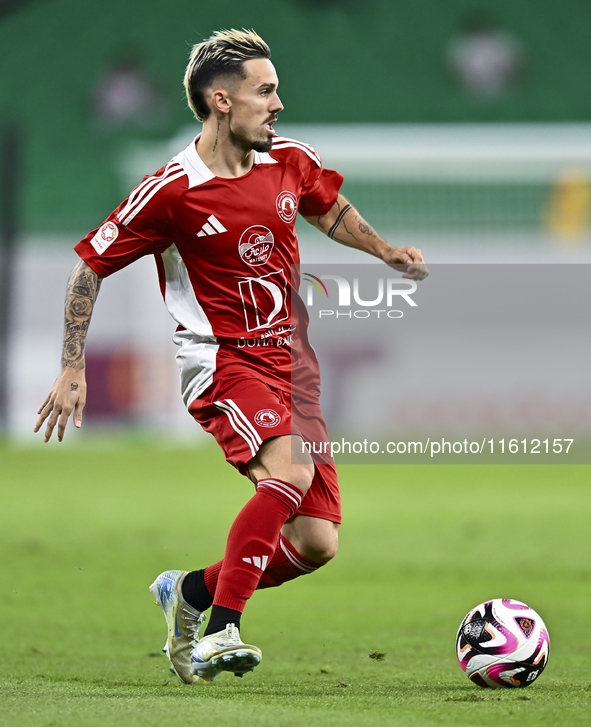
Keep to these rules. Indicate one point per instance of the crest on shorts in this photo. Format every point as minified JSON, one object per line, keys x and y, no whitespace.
{"x":267,"y":418}
{"x":256,"y":245}
{"x":287,"y":206}
{"x":105,"y":235}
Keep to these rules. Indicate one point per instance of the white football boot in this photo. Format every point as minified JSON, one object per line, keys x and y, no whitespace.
{"x":224,"y":651}
{"x":184,"y":623}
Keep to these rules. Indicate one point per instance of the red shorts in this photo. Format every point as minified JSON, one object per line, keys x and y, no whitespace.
{"x":242,"y":412}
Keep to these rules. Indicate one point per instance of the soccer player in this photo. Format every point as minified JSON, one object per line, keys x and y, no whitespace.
{"x":219,"y":219}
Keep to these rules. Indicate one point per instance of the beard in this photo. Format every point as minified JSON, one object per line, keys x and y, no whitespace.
{"x":262,"y":146}
{"x":257,"y":141}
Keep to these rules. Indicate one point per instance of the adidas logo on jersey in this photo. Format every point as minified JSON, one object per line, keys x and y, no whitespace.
{"x":257,"y":562}
{"x":212,"y":227}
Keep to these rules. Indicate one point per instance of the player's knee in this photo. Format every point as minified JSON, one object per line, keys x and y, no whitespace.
{"x":321,"y":550}
{"x":300,"y":476}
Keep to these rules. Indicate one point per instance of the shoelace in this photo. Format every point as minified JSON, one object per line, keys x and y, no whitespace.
{"x":232,"y":632}
{"x":194,"y":624}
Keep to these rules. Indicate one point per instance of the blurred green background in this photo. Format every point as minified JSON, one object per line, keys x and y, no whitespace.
{"x":338,"y":61}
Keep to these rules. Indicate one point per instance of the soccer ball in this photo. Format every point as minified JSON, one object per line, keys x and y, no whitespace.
{"x":503,"y":643}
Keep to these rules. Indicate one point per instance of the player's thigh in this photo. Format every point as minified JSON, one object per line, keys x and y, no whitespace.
{"x":242,"y":414}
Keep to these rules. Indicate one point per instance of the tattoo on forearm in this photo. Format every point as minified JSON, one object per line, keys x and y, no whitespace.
{"x":364,"y":228}
{"x":81,"y":294}
{"x":338,"y":221}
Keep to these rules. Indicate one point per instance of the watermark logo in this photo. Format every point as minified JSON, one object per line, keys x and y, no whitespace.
{"x":317,"y":283}
{"x":387,"y":292}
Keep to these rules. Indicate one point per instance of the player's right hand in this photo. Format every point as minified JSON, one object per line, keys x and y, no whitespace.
{"x":408,"y":260}
{"x":67,"y":395}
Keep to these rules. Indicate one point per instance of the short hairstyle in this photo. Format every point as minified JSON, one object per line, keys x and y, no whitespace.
{"x":223,"y":54}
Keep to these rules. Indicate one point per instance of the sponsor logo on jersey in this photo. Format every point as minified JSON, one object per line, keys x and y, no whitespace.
{"x":256,"y":245}
{"x":105,"y":235}
{"x":267,"y":418}
{"x":212,"y":227}
{"x":264,"y":300}
{"x":287,"y":206}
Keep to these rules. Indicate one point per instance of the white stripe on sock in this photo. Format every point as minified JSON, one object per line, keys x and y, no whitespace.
{"x":288,"y":487}
{"x":262,"y":484}
{"x":298,"y":563}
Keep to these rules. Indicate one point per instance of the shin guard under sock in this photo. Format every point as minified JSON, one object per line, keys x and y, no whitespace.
{"x":252,"y":541}
{"x":285,"y":565}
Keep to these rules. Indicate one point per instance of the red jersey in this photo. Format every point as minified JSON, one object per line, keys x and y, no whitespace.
{"x":224,"y":250}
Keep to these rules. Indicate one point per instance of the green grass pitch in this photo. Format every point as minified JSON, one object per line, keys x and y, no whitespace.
{"x":84,"y":530}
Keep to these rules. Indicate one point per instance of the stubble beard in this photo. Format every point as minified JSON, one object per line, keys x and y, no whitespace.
{"x":263,"y":146}
{"x":259,"y":145}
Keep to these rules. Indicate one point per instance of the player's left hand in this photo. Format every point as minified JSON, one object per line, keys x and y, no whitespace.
{"x":408,"y":260}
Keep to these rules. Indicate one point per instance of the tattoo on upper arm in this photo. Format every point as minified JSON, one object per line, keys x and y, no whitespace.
{"x":81,"y":294}
{"x":342,"y":213}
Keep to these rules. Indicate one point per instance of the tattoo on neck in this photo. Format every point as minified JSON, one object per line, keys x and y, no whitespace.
{"x":217,"y":134}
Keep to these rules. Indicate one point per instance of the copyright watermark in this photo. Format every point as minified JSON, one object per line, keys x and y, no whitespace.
{"x":437,"y":447}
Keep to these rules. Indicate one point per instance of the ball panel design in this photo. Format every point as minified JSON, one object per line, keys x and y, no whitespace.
{"x":502,"y":643}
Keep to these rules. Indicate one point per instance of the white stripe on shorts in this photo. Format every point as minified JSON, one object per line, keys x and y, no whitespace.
{"x":246,"y":422}
{"x":238,"y":426}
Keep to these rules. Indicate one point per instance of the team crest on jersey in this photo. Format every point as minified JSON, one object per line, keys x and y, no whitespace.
{"x":105,"y":235}
{"x":287,"y":206}
{"x":267,"y":418}
{"x":256,"y":245}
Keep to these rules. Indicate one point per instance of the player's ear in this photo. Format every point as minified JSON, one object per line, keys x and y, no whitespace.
{"x":219,"y":101}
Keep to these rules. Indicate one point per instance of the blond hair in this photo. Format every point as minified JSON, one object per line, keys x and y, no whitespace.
{"x":223,"y":54}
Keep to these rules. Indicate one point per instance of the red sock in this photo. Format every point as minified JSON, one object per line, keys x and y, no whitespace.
{"x":252,"y":541}
{"x":211,"y":575}
{"x":285,"y":565}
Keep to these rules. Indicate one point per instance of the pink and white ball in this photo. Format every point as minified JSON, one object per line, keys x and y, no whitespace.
{"x":503,"y":643}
